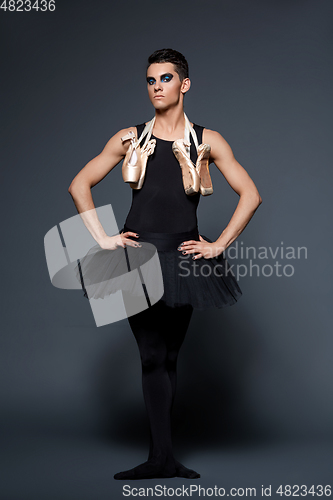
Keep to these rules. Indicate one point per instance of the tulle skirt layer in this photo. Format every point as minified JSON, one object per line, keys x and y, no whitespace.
{"x":203,"y":283}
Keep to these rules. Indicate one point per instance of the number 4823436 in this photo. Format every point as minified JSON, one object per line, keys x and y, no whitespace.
{"x":27,"y":5}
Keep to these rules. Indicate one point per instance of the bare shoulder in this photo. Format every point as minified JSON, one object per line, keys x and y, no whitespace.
{"x":212,"y":137}
{"x":219,"y":146}
{"x":124,"y":131}
{"x":115,"y":144}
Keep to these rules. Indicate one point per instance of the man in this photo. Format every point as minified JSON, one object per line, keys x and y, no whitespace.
{"x":160,"y":330}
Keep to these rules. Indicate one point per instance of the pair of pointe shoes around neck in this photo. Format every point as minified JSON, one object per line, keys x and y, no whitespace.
{"x":195,"y":177}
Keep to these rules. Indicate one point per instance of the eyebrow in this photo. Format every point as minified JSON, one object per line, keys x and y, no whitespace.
{"x":161,"y":76}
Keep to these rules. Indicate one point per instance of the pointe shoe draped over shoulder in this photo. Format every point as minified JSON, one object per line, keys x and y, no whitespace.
{"x":135,"y":161}
{"x":146,"y":151}
{"x":195,"y":177}
{"x":191,"y":179}
{"x":202,"y":165}
{"x":132,"y":163}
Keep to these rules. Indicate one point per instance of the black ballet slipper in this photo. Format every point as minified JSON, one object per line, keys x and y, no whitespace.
{"x":147,"y":470}
{"x":182,"y":471}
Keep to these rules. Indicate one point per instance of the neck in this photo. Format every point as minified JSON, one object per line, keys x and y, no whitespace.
{"x":170,"y":120}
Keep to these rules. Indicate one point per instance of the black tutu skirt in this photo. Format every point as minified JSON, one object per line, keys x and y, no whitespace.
{"x":202,"y":283}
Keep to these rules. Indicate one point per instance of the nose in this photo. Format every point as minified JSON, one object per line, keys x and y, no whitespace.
{"x":157,"y":86}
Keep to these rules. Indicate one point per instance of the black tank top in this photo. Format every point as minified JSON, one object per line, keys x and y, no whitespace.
{"x":161,"y":205}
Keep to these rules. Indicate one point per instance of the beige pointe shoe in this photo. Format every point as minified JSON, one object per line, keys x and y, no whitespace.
{"x":202,"y":165}
{"x":146,"y":151}
{"x":191,"y":179}
{"x":132,"y":164}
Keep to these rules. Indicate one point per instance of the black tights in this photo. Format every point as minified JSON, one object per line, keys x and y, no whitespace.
{"x":160,"y":331}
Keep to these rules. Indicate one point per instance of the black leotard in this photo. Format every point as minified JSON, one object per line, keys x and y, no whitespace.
{"x":161,"y":205}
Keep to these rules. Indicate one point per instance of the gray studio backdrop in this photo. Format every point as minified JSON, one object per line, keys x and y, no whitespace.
{"x":261,"y":75}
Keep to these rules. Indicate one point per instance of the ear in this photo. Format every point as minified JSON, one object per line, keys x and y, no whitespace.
{"x":186,"y":84}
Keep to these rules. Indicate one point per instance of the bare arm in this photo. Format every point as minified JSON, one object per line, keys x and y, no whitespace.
{"x":241,"y":183}
{"x":90,"y":175}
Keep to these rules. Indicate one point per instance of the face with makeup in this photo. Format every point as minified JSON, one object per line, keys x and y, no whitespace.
{"x":164,"y":86}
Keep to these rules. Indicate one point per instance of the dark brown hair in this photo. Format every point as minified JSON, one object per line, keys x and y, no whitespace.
{"x":172,"y":56}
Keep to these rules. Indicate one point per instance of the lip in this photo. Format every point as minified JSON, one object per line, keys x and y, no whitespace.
{"x":158,"y":96}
